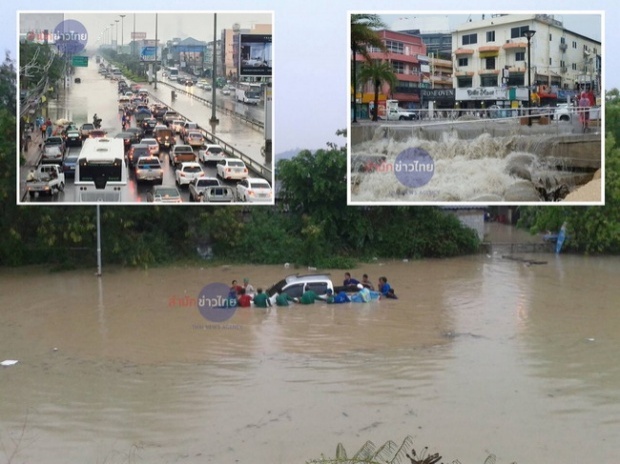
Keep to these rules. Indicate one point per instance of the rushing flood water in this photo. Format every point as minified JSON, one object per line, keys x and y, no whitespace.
{"x":479,"y":355}
{"x":481,"y":169}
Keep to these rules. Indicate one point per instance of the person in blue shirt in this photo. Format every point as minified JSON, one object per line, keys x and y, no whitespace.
{"x":348,"y":280}
{"x":385,"y":289}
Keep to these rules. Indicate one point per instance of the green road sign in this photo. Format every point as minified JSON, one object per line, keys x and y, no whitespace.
{"x":79,"y":61}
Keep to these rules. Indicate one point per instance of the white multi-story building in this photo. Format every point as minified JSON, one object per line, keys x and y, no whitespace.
{"x":490,"y":59}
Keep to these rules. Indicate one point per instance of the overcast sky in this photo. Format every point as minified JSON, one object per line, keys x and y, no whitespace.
{"x":198,"y":25}
{"x":311,"y":47}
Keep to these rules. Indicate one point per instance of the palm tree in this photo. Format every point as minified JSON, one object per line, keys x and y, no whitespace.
{"x":378,"y":73}
{"x":363,"y":34}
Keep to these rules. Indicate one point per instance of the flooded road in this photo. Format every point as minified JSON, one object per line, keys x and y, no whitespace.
{"x":479,"y":355}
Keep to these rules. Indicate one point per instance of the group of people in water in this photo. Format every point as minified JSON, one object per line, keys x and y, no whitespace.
{"x":353,"y":290}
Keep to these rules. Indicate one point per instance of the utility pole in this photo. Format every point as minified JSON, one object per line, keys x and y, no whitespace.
{"x":122,"y":31}
{"x":156,"y":50}
{"x":214,"y":121}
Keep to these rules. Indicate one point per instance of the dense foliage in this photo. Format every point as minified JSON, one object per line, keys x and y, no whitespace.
{"x":311,"y":224}
{"x":591,"y":229}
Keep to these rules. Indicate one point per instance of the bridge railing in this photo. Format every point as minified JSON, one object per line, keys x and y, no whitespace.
{"x":253,"y":123}
{"x":257,"y":167}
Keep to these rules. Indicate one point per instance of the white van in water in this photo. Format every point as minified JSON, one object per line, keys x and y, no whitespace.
{"x":295,"y":285}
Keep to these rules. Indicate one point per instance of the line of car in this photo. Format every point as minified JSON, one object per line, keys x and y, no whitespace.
{"x":144,"y":145}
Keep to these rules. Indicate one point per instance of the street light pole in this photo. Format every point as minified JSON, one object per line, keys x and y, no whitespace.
{"x":122,"y":31}
{"x":116,"y":44}
{"x":529,"y":34}
{"x":214,"y":121}
{"x":156,"y":50}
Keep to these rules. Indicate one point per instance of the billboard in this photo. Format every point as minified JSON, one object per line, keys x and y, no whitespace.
{"x":255,"y":55}
{"x":192,"y":55}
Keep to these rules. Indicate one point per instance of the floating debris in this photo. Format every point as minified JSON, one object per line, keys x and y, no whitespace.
{"x":9,"y":362}
{"x":523,"y":260}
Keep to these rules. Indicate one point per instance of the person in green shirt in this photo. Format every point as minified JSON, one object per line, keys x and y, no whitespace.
{"x":282,"y":299}
{"x":261,"y":300}
{"x":308,"y":297}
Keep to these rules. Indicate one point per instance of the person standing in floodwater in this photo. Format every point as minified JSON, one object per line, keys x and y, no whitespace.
{"x":386,"y":289}
{"x":261,"y":299}
{"x":367,"y":283}
{"x":348,"y":280}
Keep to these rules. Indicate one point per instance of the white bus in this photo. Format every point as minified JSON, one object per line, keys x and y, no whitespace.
{"x":249,"y":93}
{"x":101,"y":171}
{"x":173,"y":74}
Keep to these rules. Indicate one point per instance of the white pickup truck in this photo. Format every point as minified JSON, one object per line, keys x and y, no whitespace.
{"x":396,"y":113}
{"x":47,"y":179}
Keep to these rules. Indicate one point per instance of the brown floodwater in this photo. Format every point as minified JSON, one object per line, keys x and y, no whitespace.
{"x":479,"y":355}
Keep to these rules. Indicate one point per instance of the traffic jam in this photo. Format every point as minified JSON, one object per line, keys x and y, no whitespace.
{"x":164,"y":158}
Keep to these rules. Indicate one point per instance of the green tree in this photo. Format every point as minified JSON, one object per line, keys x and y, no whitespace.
{"x":378,"y":73}
{"x":591,"y":229}
{"x":39,"y":68}
{"x":8,"y":85}
{"x":363,"y":35}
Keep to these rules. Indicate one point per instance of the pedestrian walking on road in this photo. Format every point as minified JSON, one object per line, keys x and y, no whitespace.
{"x":48,"y":128}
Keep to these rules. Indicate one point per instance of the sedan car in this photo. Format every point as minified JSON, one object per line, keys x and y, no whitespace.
{"x":137,"y":151}
{"x":219,"y":194}
{"x":153,"y":145}
{"x":149,"y":169}
{"x":225,"y":91}
{"x":254,"y":190}
{"x":161,"y":194}
{"x":187,"y":173}
{"x":85,"y":129}
{"x":73,"y":138}
{"x":232,"y":169}
{"x":211,"y":153}
{"x":148,"y":125}
{"x":195,"y":139}
{"x":176,"y":125}
{"x":51,"y":154}
{"x":137,"y":134}
{"x":57,"y":141}
{"x":68,"y":164}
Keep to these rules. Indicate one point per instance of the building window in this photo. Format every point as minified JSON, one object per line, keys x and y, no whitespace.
{"x":490,"y":36}
{"x":574,"y":66}
{"x":550,"y":61}
{"x":520,"y":56}
{"x":470,"y":39}
{"x":398,"y":67}
{"x":516,"y":79}
{"x":562,"y":40}
{"x":550,"y":37}
{"x":518,"y":31}
{"x":489,"y":63}
{"x":463,"y":62}
{"x":574,"y":44}
{"x":395,"y":47}
{"x":488,"y":81}
{"x":410,"y":88}
{"x":464,"y":82}
{"x":562,"y":64}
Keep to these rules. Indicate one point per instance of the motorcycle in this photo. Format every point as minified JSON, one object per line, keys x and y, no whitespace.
{"x":97,"y":123}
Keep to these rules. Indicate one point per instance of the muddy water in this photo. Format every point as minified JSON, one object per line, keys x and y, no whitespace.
{"x":479,"y":355}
